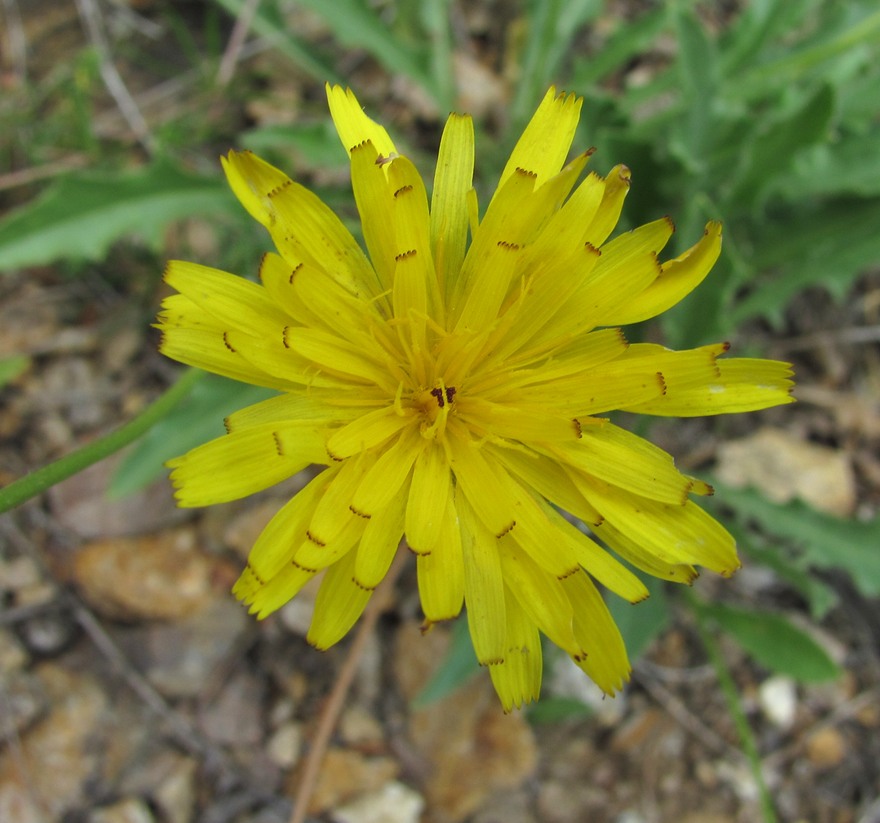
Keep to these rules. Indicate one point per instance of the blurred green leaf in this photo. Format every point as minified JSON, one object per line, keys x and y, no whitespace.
{"x":626,"y":42}
{"x":194,"y":421}
{"x":356,"y":24}
{"x":83,"y":214}
{"x":824,"y":541}
{"x":317,"y":143}
{"x":457,"y":667}
{"x":775,"y":643}
{"x":774,"y":149}
{"x":791,"y":569}
{"x":848,"y":166}
{"x":641,"y":623}
{"x":827,"y":246}
{"x":12,"y":367}
{"x":557,"y":710}
{"x":268,"y":23}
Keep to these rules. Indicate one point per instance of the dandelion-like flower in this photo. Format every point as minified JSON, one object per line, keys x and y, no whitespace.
{"x":454,"y":393}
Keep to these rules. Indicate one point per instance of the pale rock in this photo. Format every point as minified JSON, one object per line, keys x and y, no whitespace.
{"x":345,"y":775}
{"x":81,"y":504}
{"x":469,"y":748}
{"x":48,"y":773}
{"x":129,"y":810}
{"x":357,"y":727}
{"x":13,"y":657}
{"x":392,"y":803}
{"x":23,"y":699}
{"x":161,"y":577}
{"x":235,"y":716}
{"x":179,"y":658}
{"x":784,"y":467}
{"x":296,"y":614}
{"x":285,"y":744}
{"x":19,"y":573}
{"x":777,"y":697}
{"x":826,"y":748}
{"x":175,"y":793}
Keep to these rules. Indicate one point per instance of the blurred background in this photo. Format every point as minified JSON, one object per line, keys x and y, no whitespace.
{"x":133,"y":689}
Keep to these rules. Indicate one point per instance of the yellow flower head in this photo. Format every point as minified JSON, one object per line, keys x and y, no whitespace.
{"x":453,"y":391}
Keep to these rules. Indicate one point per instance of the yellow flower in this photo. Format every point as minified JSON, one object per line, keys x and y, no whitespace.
{"x":453,"y":391}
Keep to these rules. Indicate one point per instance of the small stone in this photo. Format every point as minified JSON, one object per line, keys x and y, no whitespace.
{"x":296,"y":615}
{"x":179,"y":657}
{"x":12,"y":656}
{"x":175,"y":794}
{"x":826,"y":748}
{"x":285,"y":745}
{"x":357,"y":727}
{"x":345,"y":774}
{"x":778,"y":699}
{"x":24,"y":701}
{"x":48,"y":774}
{"x":392,"y":803}
{"x":47,"y":634}
{"x":162,"y":577}
{"x":235,"y":717}
{"x":130,"y":810}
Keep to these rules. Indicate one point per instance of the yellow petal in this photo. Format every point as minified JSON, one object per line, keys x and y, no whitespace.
{"x":339,"y":604}
{"x":231,"y":300}
{"x":626,"y":460}
{"x":265,"y":598}
{"x":366,"y":431}
{"x":427,"y":502}
{"x":236,"y":465}
{"x":545,"y":143}
{"x":441,"y":572}
{"x":379,"y":543}
{"x":517,"y":679}
{"x":387,"y":478}
{"x":483,"y":587}
{"x":616,"y":188}
{"x":540,"y":594}
{"x":677,"y":278}
{"x":453,"y":179}
{"x":603,"y":655}
{"x":353,"y":126}
{"x":740,"y":385}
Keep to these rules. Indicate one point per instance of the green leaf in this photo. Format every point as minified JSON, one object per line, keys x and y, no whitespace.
{"x":629,"y":40}
{"x":773,"y":151}
{"x":849,"y":166}
{"x":641,"y":623}
{"x":83,"y":214}
{"x":316,"y":143}
{"x":269,"y":24}
{"x":824,"y":541}
{"x":194,"y":421}
{"x":775,"y":643}
{"x":793,"y":570}
{"x":557,"y":710}
{"x":355,"y":24}
{"x":457,"y":667}
{"x":12,"y":367}
{"x":829,"y":246}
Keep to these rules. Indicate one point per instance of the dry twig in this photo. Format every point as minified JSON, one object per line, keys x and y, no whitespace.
{"x":335,"y":702}
{"x":236,"y":41}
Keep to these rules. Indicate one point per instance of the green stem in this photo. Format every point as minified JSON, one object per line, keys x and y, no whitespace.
{"x":38,"y":481}
{"x":746,"y":736}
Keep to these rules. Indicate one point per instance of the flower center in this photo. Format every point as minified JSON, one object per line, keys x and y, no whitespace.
{"x":435,"y":405}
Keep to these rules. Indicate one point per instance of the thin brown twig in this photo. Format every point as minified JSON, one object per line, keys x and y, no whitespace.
{"x":236,"y":42}
{"x":15,"y":39}
{"x":90,"y":16}
{"x":677,"y":709}
{"x":23,"y":177}
{"x":335,"y":702}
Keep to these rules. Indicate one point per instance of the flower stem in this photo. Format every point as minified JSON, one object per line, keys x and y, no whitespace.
{"x":38,"y":481}
{"x":746,"y":736}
